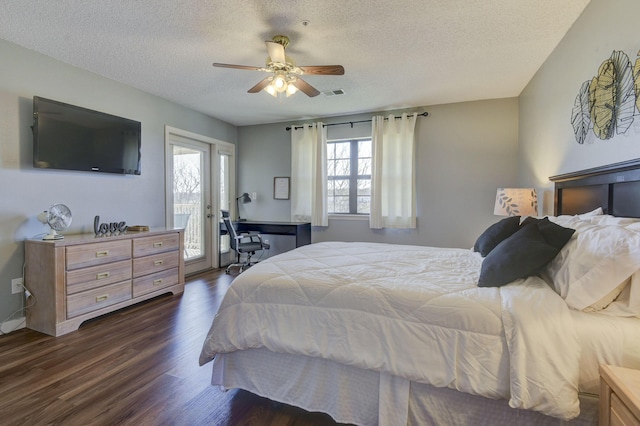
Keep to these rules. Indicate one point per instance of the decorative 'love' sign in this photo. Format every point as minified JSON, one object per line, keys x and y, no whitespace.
{"x":108,"y":228}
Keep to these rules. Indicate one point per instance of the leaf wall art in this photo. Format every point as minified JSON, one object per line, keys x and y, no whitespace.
{"x":625,"y":94}
{"x":602,"y":98}
{"x":636,"y":81}
{"x":607,"y":103}
{"x":581,"y":117}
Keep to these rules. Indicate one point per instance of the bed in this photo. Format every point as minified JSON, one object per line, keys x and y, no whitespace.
{"x":391,"y":334}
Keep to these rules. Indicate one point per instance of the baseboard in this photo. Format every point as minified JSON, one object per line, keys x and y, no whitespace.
{"x":13,"y":325}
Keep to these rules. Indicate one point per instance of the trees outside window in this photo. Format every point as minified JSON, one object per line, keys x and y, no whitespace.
{"x":349,"y":176}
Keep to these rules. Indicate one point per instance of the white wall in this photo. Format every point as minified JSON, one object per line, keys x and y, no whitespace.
{"x":547,"y":144}
{"x":25,"y":191}
{"x":464,"y":152}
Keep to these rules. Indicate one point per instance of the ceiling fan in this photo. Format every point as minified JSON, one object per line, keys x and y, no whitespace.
{"x":285,"y":74}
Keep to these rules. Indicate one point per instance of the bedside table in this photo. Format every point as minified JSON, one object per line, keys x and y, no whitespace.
{"x":619,"y":396}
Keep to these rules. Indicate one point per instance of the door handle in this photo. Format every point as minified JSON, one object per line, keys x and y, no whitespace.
{"x":209,"y":215}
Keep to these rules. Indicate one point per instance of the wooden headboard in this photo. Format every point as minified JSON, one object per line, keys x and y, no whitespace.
{"x":615,"y":188}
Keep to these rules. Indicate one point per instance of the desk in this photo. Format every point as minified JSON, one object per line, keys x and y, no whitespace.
{"x":300,"y":230}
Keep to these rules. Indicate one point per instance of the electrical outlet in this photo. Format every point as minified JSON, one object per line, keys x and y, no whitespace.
{"x":254,"y":196}
{"x":17,"y":285}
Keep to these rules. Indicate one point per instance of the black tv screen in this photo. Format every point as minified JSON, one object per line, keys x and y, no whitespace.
{"x":69,"y":137}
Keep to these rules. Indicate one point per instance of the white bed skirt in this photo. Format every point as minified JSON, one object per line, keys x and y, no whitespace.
{"x":365,"y":397}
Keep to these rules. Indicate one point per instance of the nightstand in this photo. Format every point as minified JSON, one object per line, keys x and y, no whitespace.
{"x":619,"y":396}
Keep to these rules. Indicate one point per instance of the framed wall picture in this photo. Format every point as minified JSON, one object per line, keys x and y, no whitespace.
{"x":281,"y":187}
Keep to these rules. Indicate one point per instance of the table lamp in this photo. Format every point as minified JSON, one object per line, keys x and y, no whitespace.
{"x":516,"y":202}
{"x":245,"y":199}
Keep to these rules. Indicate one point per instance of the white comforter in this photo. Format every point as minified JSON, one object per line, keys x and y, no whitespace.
{"x":414,"y":312}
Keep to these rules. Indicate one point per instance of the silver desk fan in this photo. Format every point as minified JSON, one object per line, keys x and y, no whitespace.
{"x":58,"y":217}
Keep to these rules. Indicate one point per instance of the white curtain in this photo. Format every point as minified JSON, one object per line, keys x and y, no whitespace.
{"x":393,"y":178}
{"x":309,"y":174}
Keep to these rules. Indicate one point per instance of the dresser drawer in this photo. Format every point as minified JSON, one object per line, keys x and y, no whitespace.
{"x":153,"y":282}
{"x":620,"y":414}
{"x":145,"y":246}
{"x":97,"y":276}
{"x":155,"y":263}
{"x":81,"y":256}
{"x":91,"y":300}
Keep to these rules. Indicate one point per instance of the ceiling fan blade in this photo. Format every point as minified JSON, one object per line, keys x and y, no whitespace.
{"x":323,"y":69}
{"x":276,"y":52}
{"x":240,"y":67}
{"x":261,"y":85}
{"x":306,"y":88}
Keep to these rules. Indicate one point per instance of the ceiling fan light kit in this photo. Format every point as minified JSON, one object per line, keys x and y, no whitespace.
{"x":285,"y":74}
{"x":281,"y":83}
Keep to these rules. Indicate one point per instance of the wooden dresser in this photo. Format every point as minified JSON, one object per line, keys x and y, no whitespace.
{"x":619,"y":396}
{"x":85,"y":276}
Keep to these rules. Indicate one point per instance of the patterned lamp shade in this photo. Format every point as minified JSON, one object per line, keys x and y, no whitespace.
{"x":516,"y":202}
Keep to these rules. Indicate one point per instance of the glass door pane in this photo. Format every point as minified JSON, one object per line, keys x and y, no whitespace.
{"x":199,"y":183}
{"x":225,"y":197}
{"x":188,"y":198}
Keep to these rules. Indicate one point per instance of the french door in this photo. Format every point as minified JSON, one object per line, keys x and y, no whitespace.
{"x":199,"y":178}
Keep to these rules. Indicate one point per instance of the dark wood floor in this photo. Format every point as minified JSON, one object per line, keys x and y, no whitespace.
{"x":136,"y":366}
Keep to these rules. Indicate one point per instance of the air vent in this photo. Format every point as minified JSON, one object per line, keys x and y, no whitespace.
{"x":333,"y":92}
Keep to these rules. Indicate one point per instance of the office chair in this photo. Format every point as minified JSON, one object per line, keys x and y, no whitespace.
{"x":243,"y":243}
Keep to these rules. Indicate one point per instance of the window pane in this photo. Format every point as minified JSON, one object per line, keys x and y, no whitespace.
{"x":331,"y":203}
{"x":331,"y":168}
{"x":341,"y":204}
{"x":364,"y":187}
{"x":343,"y":149}
{"x":343,"y":168}
{"x":364,"y":204}
{"x":364,"y":149}
{"x":364,"y":166}
{"x":331,"y":151}
{"x":341,"y":187}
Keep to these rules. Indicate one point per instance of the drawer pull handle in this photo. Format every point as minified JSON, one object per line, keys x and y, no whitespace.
{"x":157,"y":245}
{"x":158,"y":262}
{"x":102,"y":275}
{"x":102,"y":298}
{"x":102,"y":253}
{"x":157,"y":282}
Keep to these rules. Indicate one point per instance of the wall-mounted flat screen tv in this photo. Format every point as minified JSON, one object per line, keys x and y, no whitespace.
{"x":69,"y":137}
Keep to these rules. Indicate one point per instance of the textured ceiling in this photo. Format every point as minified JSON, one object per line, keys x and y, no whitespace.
{"x":395,"y":54}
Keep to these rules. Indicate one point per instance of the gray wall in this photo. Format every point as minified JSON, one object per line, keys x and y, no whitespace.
{"x":25,"y":191}
{"x":547,"y":144}
{"x":464,"y":152}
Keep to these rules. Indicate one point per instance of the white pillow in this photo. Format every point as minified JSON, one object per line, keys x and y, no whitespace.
{"x":595,"y":212}
{"x":566,"y":219}
{"x":596,"y":261}
{"x":607,"y":219}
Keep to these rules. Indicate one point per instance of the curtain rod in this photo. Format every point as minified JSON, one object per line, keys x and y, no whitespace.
{"x":424,"y":114}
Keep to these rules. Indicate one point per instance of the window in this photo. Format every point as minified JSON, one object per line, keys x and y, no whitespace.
{"x":349,"y":176}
